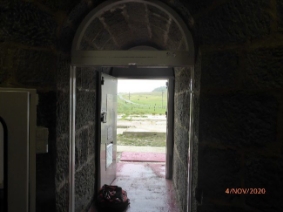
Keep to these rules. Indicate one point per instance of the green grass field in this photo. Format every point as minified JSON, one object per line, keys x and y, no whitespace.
{"x":142,"y":103}
{"x":158,"y":140}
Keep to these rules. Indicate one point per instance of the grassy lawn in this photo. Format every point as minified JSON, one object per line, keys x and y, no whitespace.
{"x":158,"y":140}
{"x":146,"y":103}
{"x":140,"y":105}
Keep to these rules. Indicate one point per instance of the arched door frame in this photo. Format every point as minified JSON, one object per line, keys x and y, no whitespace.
{"x":125,"y":58}
{"x":162,"y":58}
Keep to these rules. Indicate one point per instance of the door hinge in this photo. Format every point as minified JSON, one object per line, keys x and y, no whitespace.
{"x":103,"y":117}
{"x":166,"y":84}
{"x":102,"y":80}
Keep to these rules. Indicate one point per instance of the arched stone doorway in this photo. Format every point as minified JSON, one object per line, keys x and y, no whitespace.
{"x":110,"y":30}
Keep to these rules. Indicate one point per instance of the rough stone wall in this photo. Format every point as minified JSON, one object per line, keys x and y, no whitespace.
{"x":85,"y":137}
{"x":62,"y":128}
{"x":182,"y":160}
{"x":28,"y":61}
{"x":195,"y":133}
{"x":241,"y":103}
{"x":35,"y":42}
{"x":181,"y":134}
{"x":85,"y":114}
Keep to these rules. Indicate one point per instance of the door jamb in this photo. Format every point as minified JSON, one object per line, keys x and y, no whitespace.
{"x":170,"y":129}
{"x":72,"y":138}
{"x":98,"y":133}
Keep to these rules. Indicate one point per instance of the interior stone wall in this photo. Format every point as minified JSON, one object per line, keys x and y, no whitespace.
{"x":240,"y":136}
{"x":28,"y":61}
{"x":195,"y":135}
{"x":35,"y":42}
{"x":241,"y":103}
{"x":85,"y":114}
{"x":181,"y":134}
{"x":85,"y":137}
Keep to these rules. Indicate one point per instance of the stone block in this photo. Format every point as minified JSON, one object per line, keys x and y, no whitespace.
{"x":197,"y":72}
{"x":195,"y":6}
{"x":91,"y":141}
{"x":63,"y":73}
{"x":157,"y":12}
{"x":234,"y":22}
{"x":65,"y":38}
{"x":24,"y":22}
{"x":172,"y":45}
{"x":264,"y":69}
{"x":54,"y":5}
{"x":85,"y":108}
{"x":182,"y":79}
{"x":62,"y":198}
{"x":62,"y":113}
{"x":78,"y":13}
{"x":35,"y":68}
{"x":174,"y":33}
{"x":86,"y":78}
{"x":279,"y":4}
{"x":108,"y":44}
{"x":84,"y":186}
{"x":195,"y":117}
{"x":62,"y":160}
{"x":82,"y":141}
{"x":182,"y":109}
{"x":267,"y":173}
{"x":75,"y":17}
{"x":158,"y":21}
{"x":218,"y":170}
{"x":136,"y":11}
{"x":93,"y":29}
{"x":98,"y":38}
{"x":137,"y":17}
{"x":181,"y":142}
{"x":86,"y":45}
{"x":220,"y":70}
{"x":240,"y":120}
{"x":180,"y":181}
{"x":157,"y":36}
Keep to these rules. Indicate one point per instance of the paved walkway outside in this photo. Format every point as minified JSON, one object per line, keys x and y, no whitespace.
{"x":141,"y":149}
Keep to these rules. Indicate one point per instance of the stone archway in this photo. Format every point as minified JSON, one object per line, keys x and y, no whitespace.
{"x":112,"y":28}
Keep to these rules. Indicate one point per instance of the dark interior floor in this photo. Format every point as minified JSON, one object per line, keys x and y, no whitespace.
{"x":146,"y":186}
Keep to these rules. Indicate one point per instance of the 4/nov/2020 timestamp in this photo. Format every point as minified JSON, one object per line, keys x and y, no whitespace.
{"x":245,"y":191}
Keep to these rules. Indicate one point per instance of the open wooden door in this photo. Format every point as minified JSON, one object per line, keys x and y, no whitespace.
{"x":108,"y":143}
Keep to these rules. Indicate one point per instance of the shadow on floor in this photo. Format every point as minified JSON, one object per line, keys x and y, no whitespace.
{"x":147,"y":188}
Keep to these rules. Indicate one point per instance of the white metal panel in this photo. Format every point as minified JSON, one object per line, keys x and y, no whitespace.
{"x":1,"y":156}
{"x":18,"y":109}
{"x":14,"y":109}
{"x":108,"y":130}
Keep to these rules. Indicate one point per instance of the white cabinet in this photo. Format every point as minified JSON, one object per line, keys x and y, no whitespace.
{"x":18,"y":111}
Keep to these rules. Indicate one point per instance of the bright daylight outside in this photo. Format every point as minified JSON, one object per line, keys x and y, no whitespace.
{"x":141,"y":123}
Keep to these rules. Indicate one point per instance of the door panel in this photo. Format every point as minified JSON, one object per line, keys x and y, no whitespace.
{"x":108,"y":147}
{"x":14,"y":109}
{"x":169,"y":130}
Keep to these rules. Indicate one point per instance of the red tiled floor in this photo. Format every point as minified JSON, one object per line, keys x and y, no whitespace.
{"x":143,"y":157}
{"x":147,"y":188}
